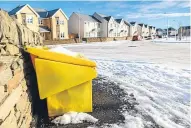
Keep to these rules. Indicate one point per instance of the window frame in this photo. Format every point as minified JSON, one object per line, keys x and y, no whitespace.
{"x":29,"y":19}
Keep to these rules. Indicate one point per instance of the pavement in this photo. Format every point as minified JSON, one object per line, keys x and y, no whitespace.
{"x":107,"y":106}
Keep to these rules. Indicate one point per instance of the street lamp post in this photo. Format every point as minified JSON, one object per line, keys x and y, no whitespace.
{"x":175,"y":29}
{"x":167,"y":24}
{"x":79,"y":27}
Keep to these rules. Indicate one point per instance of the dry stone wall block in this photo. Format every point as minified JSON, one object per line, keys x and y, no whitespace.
{"x":5,"y":76}
{"x":10,"y":102}
{"x":15,"y":81}
{"x":12,"y":49}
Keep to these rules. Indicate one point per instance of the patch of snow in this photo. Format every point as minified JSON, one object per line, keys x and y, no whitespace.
{"x":163,"y":94}
{"x":173,"y":40}
{"x":60,"y":49}
{"x":74,"y":118}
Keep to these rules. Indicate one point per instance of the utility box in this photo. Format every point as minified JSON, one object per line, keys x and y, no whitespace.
{"x":64,"y":81}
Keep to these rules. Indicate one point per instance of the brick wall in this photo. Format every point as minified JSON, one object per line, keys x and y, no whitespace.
{"x":89,"y":40}
{"x":15,"y":70}
{"x":64,"y":41}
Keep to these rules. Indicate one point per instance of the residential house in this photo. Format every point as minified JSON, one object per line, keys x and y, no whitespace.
{"x":146,"y":30}
{"x":27,"y":16}
{"x":165,"y":32}
{"x":84,"y":25}
{"x":53,"y":24}
{"x":184,"y":31}
{"x":109,"y":26}
{"x":143,"y":30}
{"x":152,"y":31}
{"x":159,"y":32}
{"x":122,"y":28}
{"x":135,"y":29}
{"x":128,"y":28}
{"x":172,"y":31}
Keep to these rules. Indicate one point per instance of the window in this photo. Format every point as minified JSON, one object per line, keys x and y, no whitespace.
{"x":98,"y":25}
{"x":40,"y":21}
{"x":99,"y":34}
{"x":111,"y":25}
{"x":29,"y":19}
{"x":62,"y":35}
{"x":87,"y":34}
{"x":57,"y":20}
{"x":61,"y":22}
{"x":118,"y":34}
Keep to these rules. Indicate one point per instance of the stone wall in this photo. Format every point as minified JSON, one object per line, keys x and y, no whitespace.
{"x":15,"y":70}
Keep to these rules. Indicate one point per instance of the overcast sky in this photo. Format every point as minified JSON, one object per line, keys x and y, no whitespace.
{"x":153,"y":13}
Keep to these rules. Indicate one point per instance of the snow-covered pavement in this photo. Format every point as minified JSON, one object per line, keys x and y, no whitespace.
{"x":173,"y":39}
{"x":157,"y":75}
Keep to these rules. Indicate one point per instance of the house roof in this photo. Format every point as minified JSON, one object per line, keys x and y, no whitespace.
{"x":141,"y":25}
{"x":44,"y":29}
{"x":15,"y":10}
{"x":127,"y":23}
{"x":19,"y":8}
{"x":87,"y":17}
{"x":159,"y":29}
{"x":107,"y":18}
{"x":118,"y":20}
{"x":46,"y":14}
{"x":171,"y":28}
{"x":133,"y":23}
{"x":185,"y":27}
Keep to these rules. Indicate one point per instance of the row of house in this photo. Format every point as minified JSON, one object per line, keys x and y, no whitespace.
{"x":55,"y":25}
{"x":182,"y":31}
{"x":143,"y":30}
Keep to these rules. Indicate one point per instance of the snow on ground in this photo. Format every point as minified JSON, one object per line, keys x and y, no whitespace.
{"x":59,"y":49}
{"x":74,"y":118}
{"x":173,"y":40}
{"x":162,"y":93}
{"x":158,"y":75}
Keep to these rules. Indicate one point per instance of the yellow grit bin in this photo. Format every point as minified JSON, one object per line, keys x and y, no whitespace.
{"x":65,"y":81}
